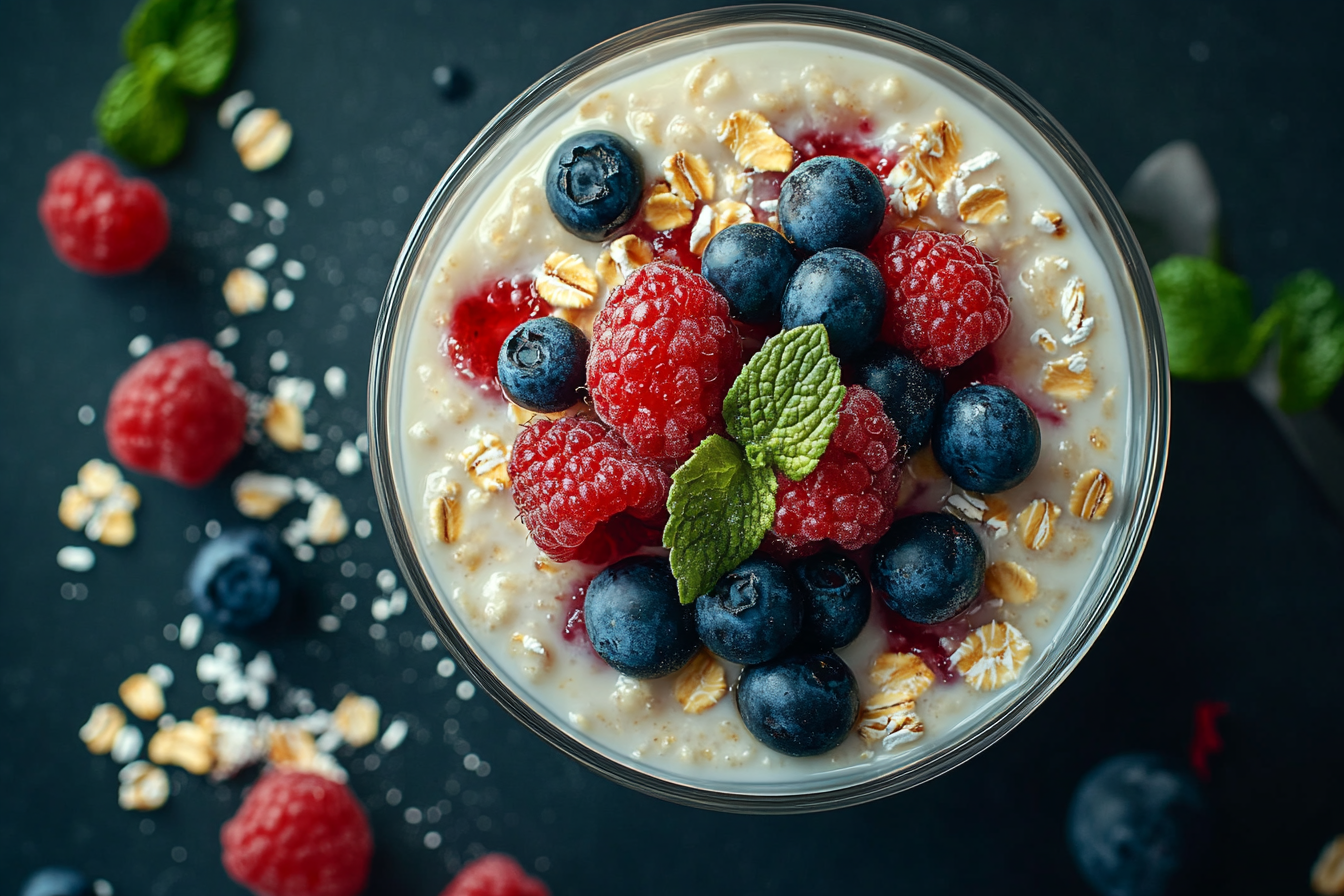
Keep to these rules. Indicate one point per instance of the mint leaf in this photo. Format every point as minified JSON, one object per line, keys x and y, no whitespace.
{"x":719,"y":509}
{"x":1208,"y":316}
{"x":139,"y":114}
{"x":1311,"y":350}
{"x":786,"y":402}
{"x":203,"y":33}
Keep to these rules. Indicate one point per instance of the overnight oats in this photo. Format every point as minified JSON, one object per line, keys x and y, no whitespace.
{"x":764,"y":406}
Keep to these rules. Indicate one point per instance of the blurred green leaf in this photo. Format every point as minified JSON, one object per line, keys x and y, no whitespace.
{"x":1311,"y":350}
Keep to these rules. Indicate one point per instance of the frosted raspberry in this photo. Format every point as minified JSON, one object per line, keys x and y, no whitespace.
{"x":583,"y":494}
{"x":495,"y":874}
{"x":100,"y":222}
{"x":663,"y":355}
{"x":298,"y":834}
{"x":945,"y":299}
{"x":850,"y":498}
{"x":177,"y":413}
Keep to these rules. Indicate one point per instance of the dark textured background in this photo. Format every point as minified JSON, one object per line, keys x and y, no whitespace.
{"x":1237,"y":597}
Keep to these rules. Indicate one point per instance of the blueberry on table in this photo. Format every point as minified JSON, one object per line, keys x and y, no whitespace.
{"x":56,"y":881}
{"x":842,"y":290}
{"x":542,"y":364}
{"x":1138,"y":826}
{"x":594,"y":184}
{"x":752,"y":614}
{"x":930,"y":566}
{"x":831,"y":201}
{"x":987,"y":440}
{"x":801,"y":704}
{"x":836,"y":600}
{"x":635,"y":620}
{"x":236,"y":579}
{"x":912,"y":395}
{"x":750,"y":264}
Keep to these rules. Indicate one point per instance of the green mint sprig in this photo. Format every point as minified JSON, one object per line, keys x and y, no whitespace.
{"x":781,"y":409}
{"x":1213,"y":334}
{"x":174,"y":47}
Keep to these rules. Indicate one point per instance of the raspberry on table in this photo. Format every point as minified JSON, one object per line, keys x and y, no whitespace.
{"x":177,"y":413}
{"x":495,"y":874}
{"x":945,"y":298}
{"x":578,"y":486}
{"x":298,"y":834}
{"x":663,"y":355}
{"x":850,"y":498}
{"x":99,"y":222}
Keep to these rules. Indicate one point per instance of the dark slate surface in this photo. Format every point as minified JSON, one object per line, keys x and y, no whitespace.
{"x":1237,"y":599}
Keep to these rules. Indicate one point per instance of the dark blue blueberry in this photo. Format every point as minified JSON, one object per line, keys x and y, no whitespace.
{"x":836,"y":600}
{"x":841,"y":289}
{"x":912,"y":395}
{"x":594,"y":184}
{"x":801,"y":704}
{"x":1138,"y":826}
{"x":987,"y":439}
{"x":542,"y":364}
{"x":56,"y":882}
{"x":830,"y":201}
{"x":930,"y":566}
{"x":636,"y":622}
{"x":236,"y":579}
{"x":753,"y":613}
{"x":751,"y":265}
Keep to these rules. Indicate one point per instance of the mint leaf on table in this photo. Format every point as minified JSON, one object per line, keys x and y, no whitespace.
{"x":139,"y":113}
{"x":785,"y":404}
{"x":204,"y":34}
{"x":719,"y":509}
{"x":1311,"y":349}
{"x":1211,"y":329}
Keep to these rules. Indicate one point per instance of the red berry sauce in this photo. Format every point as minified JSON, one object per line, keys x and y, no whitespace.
{"x":985,"y":367}
{"x":810,"y":144}
{"x":479,"y":324}
{"x":671,"y":245}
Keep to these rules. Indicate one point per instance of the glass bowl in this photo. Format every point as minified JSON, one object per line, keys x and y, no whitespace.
{"x":1145,"y":417}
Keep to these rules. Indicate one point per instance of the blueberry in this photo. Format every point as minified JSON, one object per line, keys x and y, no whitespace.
{"x":753,"y":613}
{"x":236,"y":579}
{"x":930,"y":566}
{"x":594,"y":184}
{"x":542,"y":364}
{"x":751,"y":265}
{"x":831,"y":201}
{"x":988,"y":440}
{"x":636,"y":622}
{"x":841,"y":289}
{"x":801,"y":704}
{"x":56,"y":882}
{"x":912,"y":395}
{"x":1138,"y":826}
{"x":836,"y":600}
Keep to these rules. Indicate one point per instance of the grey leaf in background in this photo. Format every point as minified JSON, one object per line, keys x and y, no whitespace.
{"x":1172,"y":203}
{"x":1173,"y":206}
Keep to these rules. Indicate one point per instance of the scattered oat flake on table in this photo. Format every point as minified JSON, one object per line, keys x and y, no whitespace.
{"x":190,"y":632}
{"x":261,"y":257}
{"x":991,"y":656}
{"x":99,"y":733}
{"x":260,"y":496}
{"x":233,"y":106}
{"x":244,"y":291}
{"x":284,"y":425}
{"x":142,"y":696}
{"x":394,"y":735}
{"x":126,"y":745}
{"x":262,"y":138}
{"x":283,"y":300}
{"x":335,"y":382}
{"x":327,"y":522}
{"x":143,"y":787}
{"x":1327,"y":875}
{"x":348,"y":460}
{"x":240,"y":212}
{"x":75,"y":558}
{"x":356,"y":718}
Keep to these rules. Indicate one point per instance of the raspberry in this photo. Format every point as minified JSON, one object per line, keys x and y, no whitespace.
{"x":99,"y":222}
{"x":578,"y":486}
{"x":177,"y":413}
{"x":298,"y":834}
{"x":663,"y":355}
{"x":945,"y":299}
{"x":850,"y":498}
{"x":479,"y":324}
{"x":495,"y":874}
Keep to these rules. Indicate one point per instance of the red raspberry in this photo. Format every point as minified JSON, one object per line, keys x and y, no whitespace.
{"x":177,"y":414}
{"x":495,"y":874}
{"x":576,"y":484}
{"x":945,"y":299}
{"x":663,"y":355}
{"x":99,"y":222}
{"x":850,"y":498}
{"x":298,"y":834}
{"x":480,"y":323}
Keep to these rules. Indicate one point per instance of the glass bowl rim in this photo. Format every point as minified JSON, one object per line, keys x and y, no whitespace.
{"x":1147,"y":485}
